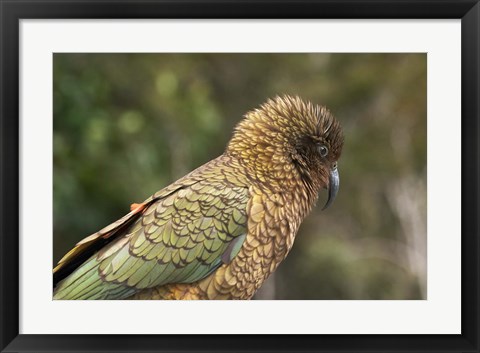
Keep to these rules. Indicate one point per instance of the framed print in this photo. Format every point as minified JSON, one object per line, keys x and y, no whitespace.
{"x":317,"y":161}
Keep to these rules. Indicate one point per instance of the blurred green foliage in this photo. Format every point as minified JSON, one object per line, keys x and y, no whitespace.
{"x":126,"y":125}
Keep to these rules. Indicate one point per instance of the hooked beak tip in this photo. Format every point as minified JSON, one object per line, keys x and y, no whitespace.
{"x":333,"y":186}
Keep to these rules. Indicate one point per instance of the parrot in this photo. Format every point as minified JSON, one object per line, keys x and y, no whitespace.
{"x":221,"y":230}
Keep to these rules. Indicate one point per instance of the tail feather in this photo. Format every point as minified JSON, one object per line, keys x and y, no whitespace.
{"x":86,"y":283}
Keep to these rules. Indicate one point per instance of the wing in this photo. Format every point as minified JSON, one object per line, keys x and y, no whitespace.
{"x":180,"y":237}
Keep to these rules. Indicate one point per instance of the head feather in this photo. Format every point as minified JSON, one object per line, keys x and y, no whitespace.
{"x":267,"y":140}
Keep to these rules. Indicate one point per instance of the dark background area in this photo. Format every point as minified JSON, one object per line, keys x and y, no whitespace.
{"x":127,"y":125}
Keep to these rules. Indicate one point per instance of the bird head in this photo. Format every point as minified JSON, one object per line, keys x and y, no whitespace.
{"x":288,"y":142}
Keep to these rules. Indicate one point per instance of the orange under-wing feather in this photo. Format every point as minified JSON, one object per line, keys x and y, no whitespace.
{"x":134,"y":206}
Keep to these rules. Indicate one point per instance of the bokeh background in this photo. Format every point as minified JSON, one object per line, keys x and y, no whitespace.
{"x":126,"y":125}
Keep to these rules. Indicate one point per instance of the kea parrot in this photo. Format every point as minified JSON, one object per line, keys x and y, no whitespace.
{"x":221,"y":230}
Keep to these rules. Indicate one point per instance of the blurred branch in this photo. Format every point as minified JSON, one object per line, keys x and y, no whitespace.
{"x":406,"y":196}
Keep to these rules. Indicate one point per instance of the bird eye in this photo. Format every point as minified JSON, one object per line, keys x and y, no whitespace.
{"x":323,"y":150}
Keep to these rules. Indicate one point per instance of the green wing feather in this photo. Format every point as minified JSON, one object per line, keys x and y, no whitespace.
{"x":180,"y":238}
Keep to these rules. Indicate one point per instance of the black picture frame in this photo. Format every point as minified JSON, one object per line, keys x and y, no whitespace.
{"x":12,"y":11}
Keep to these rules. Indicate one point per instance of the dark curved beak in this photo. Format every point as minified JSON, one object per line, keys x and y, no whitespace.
{"x":333,"y":186}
